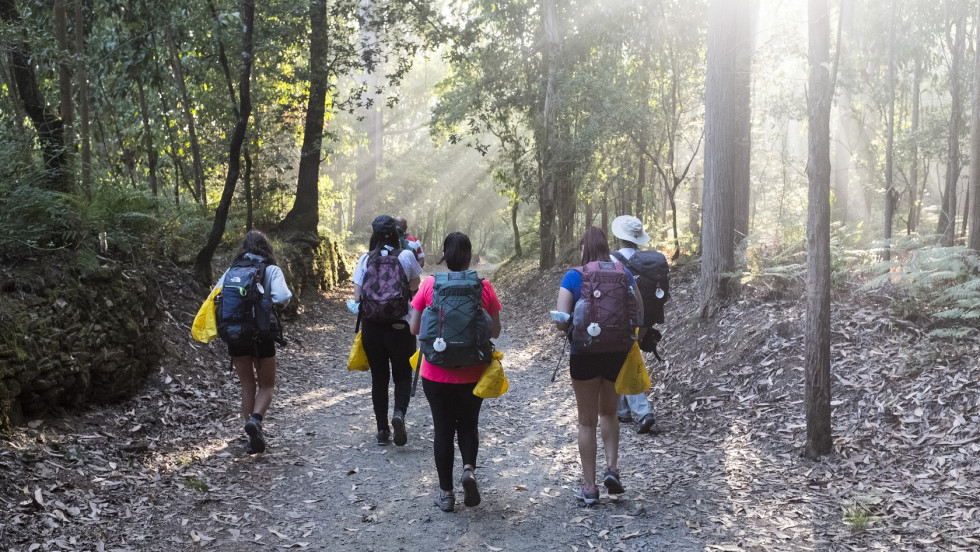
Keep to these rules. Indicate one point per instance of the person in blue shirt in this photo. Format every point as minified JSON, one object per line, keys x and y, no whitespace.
{"x":594,"y":381}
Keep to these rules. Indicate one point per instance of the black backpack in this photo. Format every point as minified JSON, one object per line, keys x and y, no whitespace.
{"x":652,"y":272}
{"x":243,"y":311}
{"x":455,"y":330}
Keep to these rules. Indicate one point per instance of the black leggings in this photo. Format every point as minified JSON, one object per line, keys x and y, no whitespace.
{"x":455,"y":411}
{"x":384,"y":344}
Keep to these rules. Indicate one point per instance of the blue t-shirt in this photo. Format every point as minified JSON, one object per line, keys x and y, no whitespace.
{"x":572,"y":281}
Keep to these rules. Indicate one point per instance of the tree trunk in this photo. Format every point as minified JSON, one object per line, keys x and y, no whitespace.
{"x":64,"y":67}
{"x":83,"y":98}
{"x":890,"y":137}
{"x":200,"y":193}
{"x":973,"y":238}
{"x":741,"y":117}
{"x":202,"y":264}
{"x":914,"y":131}
{"x":304,"y":217}
{"x":50,"y":129}
{"x":726,"y":143}
{"x":547,"y":170}
{"x":947,"y":212}
{"x":153,"y":157}
{"x":819,"y":98}
{"x":641,"y":182}
{"x":515,"y":205}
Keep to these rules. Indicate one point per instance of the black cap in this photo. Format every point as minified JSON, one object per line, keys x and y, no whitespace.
{"x":384,"y":224}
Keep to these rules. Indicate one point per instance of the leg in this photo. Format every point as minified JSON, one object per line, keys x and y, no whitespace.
{"x":246,"y":376}
{"x":608,"y":423}
{"x":444,"y":422}
{"x":266,"y":372}
{"x":623,"y":409}
{"x":637,"y":403}
{"x":373,"y":338}
{"x":587,"y":400}
{"x":401,"y":345}
{"x":468,"y":422}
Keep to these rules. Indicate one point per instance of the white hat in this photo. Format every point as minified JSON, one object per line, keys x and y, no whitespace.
{"x":629,"y":228}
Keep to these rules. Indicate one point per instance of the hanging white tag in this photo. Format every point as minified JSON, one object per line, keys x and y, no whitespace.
{"x":660,"y":293}
{"x":439,"y":344}
{"x":594,"y":329}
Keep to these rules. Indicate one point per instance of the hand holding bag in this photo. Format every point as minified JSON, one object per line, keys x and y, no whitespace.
{"x":357,"y":360}
{"x":493,"y":383}
{"x":205,"y":328}
{"x":633,"y":377}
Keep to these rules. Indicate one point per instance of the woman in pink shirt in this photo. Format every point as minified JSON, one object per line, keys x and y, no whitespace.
{"x":449,"y":390}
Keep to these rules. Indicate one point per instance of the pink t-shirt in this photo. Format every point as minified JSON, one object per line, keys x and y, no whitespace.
{"x":459,"y":374}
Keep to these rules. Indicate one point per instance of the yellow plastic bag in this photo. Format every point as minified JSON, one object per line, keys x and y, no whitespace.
{"x":493,"y":382}
{"x":414,"y":361}
{"x":204,"y":328}
{"x":357,"y":360}
{"x":633,"y":377}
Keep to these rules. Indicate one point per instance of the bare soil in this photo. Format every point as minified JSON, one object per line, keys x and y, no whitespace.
{"x":166,"y":470}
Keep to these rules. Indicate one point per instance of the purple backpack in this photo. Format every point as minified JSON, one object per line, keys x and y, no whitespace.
{"x":384,"y":291}
{"x":606,"y":315}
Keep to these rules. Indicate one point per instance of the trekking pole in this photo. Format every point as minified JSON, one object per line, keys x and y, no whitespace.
{"x":418,"y":370}
{"x":561,"y":356}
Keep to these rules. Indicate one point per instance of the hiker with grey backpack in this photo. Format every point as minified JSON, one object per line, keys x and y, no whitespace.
{"x":455,"y":314}
{"x":651,"y":271}
{"x":247,"y":321}
{"x":385,"y":279}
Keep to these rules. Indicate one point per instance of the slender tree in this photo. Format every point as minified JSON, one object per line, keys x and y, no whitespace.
{"x":973,"y":239}
{"x":548,"y":146}
{"x":81,"y":71}
{"x":177,"y":65}
{"x":947,"y":209}
{"x":202,"y":264}
{"x":819,"y":98}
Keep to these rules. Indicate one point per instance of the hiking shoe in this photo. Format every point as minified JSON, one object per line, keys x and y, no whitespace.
{"x":383,"y":436}
{"x":625,"y":419}
{"x":398,"y":423}
{"x":446,"y":501}
{"x":611,"y":481}
{"x":589,"y":496}
{"x":471,"y":494}
{"x":646,"y":424}
{"x":256,"y":441}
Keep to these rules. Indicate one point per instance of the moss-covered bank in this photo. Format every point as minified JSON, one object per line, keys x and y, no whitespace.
{"x":74,"y":329}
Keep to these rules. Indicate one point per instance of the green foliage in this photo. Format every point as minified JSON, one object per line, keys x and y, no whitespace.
{"x":34,"y":219}
{"x":941,"y":284}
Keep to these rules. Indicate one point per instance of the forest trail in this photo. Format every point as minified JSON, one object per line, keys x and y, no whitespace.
{"x":166,"y":470}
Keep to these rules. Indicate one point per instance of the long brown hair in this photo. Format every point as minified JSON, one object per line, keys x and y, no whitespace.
{"x":256,"y":243}
{"x":595,"y":245}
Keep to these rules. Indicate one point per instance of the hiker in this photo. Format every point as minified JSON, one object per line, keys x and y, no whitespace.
{"x":385,"y":279}
{"x":255,"y":358}
{"x":631,"y":236}
{"x":412,"y":242}
{"x":594,"y":374}
{"x":449,"y":380}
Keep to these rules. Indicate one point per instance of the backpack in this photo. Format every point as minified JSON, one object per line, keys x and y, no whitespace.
{"x":455,"y":330}
{"x":652,"y":272}
{"x":243,"y":311}
{"x":606,"y":316}
{"x":384,"y":291}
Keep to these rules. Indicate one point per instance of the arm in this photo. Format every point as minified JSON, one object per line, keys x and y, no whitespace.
{"x":566,"y":303}
{"x":415,"y":321}
{"x":495,"y":325}
{"x":357,"y":293}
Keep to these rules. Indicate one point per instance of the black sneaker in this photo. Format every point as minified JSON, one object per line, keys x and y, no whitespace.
{"x":398,"y":423}
{"x":612,"y":482}
{"x":256,"y":441}
{"x":646,"y":424}
{"x":383,"y":436}
{"x":471,"y":494}
{"x":446,"y":501}
{"x":625,"y":419}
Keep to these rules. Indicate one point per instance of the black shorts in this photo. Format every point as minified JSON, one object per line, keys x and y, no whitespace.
{"x":585,"y":366}
{"x":260,"y":349}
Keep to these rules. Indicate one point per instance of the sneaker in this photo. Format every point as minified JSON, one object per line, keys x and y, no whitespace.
{"x":612,"y":482}
{"x":383,"y":436}
{"x":398,"y":423}
{"x":627,"y":419}
{"x":256,"y":441}
{"x":646,"y":424}
{"x":589,"y":496}
{"x":471,"y":494}
{"x":446,"y":501}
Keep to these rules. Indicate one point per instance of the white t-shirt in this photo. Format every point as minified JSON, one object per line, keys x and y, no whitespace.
{"x":406,"y":258}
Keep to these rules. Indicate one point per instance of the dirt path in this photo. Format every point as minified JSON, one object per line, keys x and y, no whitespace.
{"x":166,"y":470}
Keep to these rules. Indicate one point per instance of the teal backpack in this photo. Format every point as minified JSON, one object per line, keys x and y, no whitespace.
{"x":455,"y":330}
